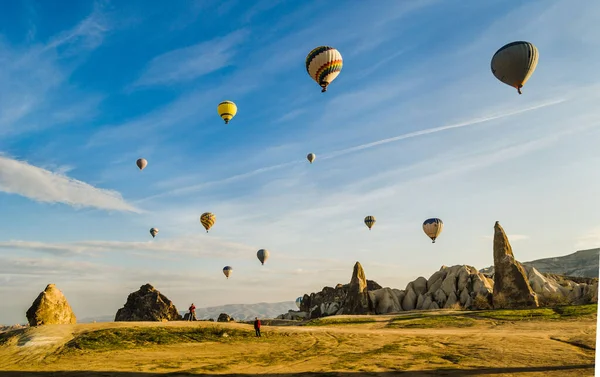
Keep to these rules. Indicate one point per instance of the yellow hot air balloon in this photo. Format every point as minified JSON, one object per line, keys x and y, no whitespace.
{"x":141,"y":163}
{"x":324,"y":64}
{"x":227,"y":110}
{"x":311,"y":157}
{"x":514,"y":63}
{"x":208,"y":220}
{"x":370,"y":221}
{"x":433,"y":227}
{"x":227,"y":271}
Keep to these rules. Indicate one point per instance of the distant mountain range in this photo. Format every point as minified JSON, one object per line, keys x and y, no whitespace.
{"x":582,"y":263}
{"x":237,"y":311}
{"x":246,"y":311}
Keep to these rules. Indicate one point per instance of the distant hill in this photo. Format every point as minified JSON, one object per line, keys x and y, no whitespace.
{"x":237,"y":311}
{"x":246,"y":311}
{"x":582,"y":263}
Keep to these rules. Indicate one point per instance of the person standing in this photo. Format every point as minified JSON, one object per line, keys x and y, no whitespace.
{"x":257,"y":326}
{"x":192,"y":310}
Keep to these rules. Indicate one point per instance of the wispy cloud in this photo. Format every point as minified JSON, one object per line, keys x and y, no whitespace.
{"x":191,"y":62}
{"x":190,"y":245}
{"x":19,"y":177}
{"x":326,"y":156}
{"x":589,"y":240}
{"x":29,"y":76}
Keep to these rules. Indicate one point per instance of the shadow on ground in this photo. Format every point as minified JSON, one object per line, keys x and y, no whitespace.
{"x":580,"y":370}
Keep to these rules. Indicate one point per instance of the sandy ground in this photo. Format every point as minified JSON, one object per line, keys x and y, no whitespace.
{"x":524,"y":348}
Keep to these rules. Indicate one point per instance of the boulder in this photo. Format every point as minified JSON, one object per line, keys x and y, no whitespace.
{"x":224,"y":317}
{"x":50,"y":308}
{"x":511,"y":286}
{"x":147,"y":304}
{"x":384,"y":301}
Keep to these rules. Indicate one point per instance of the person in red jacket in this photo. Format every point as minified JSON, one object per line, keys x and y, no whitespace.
{"x":192,"y":310}
{"x":257,"y":326}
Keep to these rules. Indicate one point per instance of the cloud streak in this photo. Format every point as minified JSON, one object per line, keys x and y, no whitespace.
{"x":335,"y":154}
{"x":21,"y":178}
{"x":191,"y":62}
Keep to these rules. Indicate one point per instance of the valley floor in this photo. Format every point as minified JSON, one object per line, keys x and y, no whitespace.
{"x":442,"y":343}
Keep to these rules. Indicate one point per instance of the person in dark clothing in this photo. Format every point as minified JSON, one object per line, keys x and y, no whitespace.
{"x":257,"y":326}
{"x":192,"y":309}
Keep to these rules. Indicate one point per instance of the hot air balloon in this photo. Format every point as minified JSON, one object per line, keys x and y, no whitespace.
{"x":227,"y":271}
{"x":514,"y":63}
{"x":299,"y":302}
{"x":227,"y":110}
{"x":370,"y":221}
{"x":324,"y":64}
{"x":153,"y":232}
{"x":311,"y":157}
{"x":141,"y":163}
{"x":262,"y":255}
{"x":433,"y":227}
{"x":208,"y":220}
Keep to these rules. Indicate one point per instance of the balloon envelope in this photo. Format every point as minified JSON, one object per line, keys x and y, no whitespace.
{"x":154,"y":232}
{"x":262,"y":255}
{"x":514,"y":63}
{"x":227,"y":271}
{"x":141,"y":163}
{"x":227,"y":110}
{"x":324,"y":64}
{"x":208,"y":220}
{"x":433,"y":227}
{"x":311,"y":157}
{"x":370,"y":221}
{"x":299,"y":302}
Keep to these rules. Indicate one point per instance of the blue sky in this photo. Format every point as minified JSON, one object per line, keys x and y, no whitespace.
{"x":415,"y":126}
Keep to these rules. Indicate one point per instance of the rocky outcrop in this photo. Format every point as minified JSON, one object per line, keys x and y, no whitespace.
{"x":352,"y":298}
{"x":50,"y":308}
{"x":511,"y":286}
{"x":357,"y":300}
{"x":552,"y":289}
{"x":224,"y":317}
{"x":147,"y":304}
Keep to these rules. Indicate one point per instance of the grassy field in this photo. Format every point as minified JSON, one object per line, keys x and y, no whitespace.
{"x":541,"y":342}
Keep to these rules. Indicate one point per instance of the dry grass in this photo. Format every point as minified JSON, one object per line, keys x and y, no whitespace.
{"x":470,"y":343}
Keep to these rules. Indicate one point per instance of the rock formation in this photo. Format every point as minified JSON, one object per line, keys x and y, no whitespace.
{"x":147,"y":304}
{"x":50,"y":308}
{"x":511,"y":286}
{"x":357,"y":300}
{"x":552,"y":289}
{"x":352,"y":298}
{"x":460,"y":287}
{"x":224,"y":317}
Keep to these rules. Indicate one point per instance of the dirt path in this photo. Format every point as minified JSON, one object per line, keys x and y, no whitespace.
{"x":544,"y":348}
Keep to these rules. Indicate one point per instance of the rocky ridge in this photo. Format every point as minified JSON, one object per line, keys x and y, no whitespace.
{"x":459,"y":286}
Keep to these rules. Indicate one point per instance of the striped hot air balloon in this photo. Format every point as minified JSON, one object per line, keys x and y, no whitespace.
{"x":324,"y":64}
{"x":370,"y":221}
{"x":514,"y":63}
{"x":227,"y":110}
{"x":207,"y":220}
